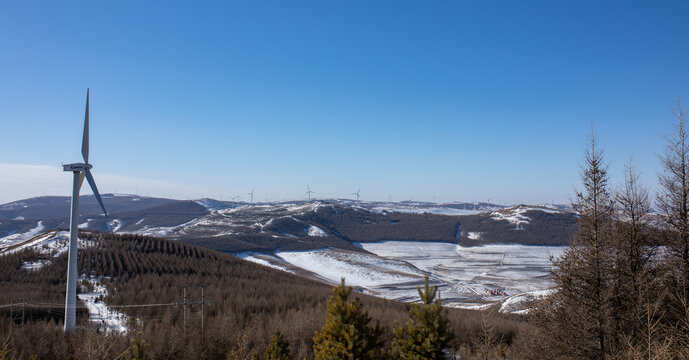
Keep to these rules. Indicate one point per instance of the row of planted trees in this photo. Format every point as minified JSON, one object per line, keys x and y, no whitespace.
{"x":350,"y":333}
{"x":621,"y":289}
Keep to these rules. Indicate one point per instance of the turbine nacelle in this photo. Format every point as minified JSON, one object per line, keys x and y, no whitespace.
{"x":77,"y":167}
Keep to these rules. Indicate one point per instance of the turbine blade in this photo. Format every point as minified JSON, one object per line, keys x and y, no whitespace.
{"x":81,"y":179}
{"x":92,"y":182}
{"x":85,"y":140}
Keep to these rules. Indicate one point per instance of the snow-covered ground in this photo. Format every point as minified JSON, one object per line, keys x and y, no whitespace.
{"x":12,"y":239}
{"x":517,"y":215}
{"x":519,"y":304}
{"x":265,"y":260}
{"x":99,"y":313}
{"x":468,"y":277}
{"x":52,"y":243}
{"x":437,"y":210}
{"x":315,"y":231}
{"x":358,"y":268}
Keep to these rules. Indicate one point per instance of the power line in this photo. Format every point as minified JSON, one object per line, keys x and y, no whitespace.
{"x":19,"y":315}
{"x":202,"y":301}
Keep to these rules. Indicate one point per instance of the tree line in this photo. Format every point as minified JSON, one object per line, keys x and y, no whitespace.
{"x":621,"y":289}
{"x":250,"y":302}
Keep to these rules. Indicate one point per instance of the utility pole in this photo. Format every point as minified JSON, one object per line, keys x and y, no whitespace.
{"x":203,"y":312}
{"x":18,"y":315}
{"x":202,"y":301}
{"x":186,"y":338}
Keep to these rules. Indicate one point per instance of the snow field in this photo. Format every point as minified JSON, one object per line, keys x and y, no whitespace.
{"x":358,"y":269}
{"x":467,"y":277}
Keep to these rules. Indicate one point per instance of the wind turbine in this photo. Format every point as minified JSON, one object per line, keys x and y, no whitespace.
{"x":357,"y":194}
{"x":252,"y":195}
{"x":80,"y":170}
{"x":308,"y":192}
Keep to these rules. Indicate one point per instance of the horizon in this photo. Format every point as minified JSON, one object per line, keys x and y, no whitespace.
{"x":452,"y":102}
{"x":296,"y":200}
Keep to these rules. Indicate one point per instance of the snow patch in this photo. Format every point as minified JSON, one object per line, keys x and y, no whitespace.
{"x":520,"y":303}
{"x":474,"y":235}
{"x":304,"y":208}
{"x":34,"y":265}
{"x":261,"y":260}
{"x":99,"y":313}
{"x":315,"y":231}
{"x":517,"y":215}
{"x":115,"y":225}
{"x":514,"y":216}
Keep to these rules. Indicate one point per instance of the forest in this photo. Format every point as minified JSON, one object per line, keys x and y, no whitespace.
{"x":249,"y":302}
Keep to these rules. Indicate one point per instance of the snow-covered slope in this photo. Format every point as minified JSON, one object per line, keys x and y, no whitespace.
{"x":468,"y":277}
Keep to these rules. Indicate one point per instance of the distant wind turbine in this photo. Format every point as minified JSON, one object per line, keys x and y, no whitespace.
{"x":80,"y":170}
{"x":357,"y":194}
{"x":308,"y":192}
{"x":251,"y":194}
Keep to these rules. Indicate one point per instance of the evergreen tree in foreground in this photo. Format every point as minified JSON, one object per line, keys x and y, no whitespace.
{"x":574,"y":322}
{"x":278,"y":349}
{"x":346,"y":333}
{"x":138,"y":349}
{"x":428,"y":331}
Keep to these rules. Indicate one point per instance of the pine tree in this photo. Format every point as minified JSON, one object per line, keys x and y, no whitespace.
{"x":427,"y":333}
{"x":138,"y":350}
{"x":278,"y":348}
{"x":346,"y":333}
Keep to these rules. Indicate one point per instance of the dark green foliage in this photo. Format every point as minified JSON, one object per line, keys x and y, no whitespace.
{"x":427,"y":333}
{"x":138,"y":349}
{"x":346,"y":333}
{"x":278,"y":348}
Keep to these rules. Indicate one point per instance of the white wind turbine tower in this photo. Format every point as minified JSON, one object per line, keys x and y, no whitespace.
{"x":80,"y":170}
{"x":357,"y":194}
{"x":251,"y":194}
{"x":308,"y":192}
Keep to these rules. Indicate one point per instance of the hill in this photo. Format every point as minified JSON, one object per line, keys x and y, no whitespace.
{"x":139,"y":281}
{"x":267,"y":227}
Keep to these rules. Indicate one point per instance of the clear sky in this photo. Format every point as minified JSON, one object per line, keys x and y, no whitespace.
{"x":452,"y":100}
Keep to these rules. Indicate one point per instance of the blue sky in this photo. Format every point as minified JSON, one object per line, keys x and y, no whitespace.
{"x":447,"y":100}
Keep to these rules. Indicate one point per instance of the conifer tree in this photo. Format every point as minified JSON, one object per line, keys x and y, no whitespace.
{"x":138,"y":349}
{"x":346,"y":333}
{"x":278,"y":348}
{"x":632,"y":249}
{"x":427,"y":333}
{"x":574,"y":321}
{"x":673,"y":199}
